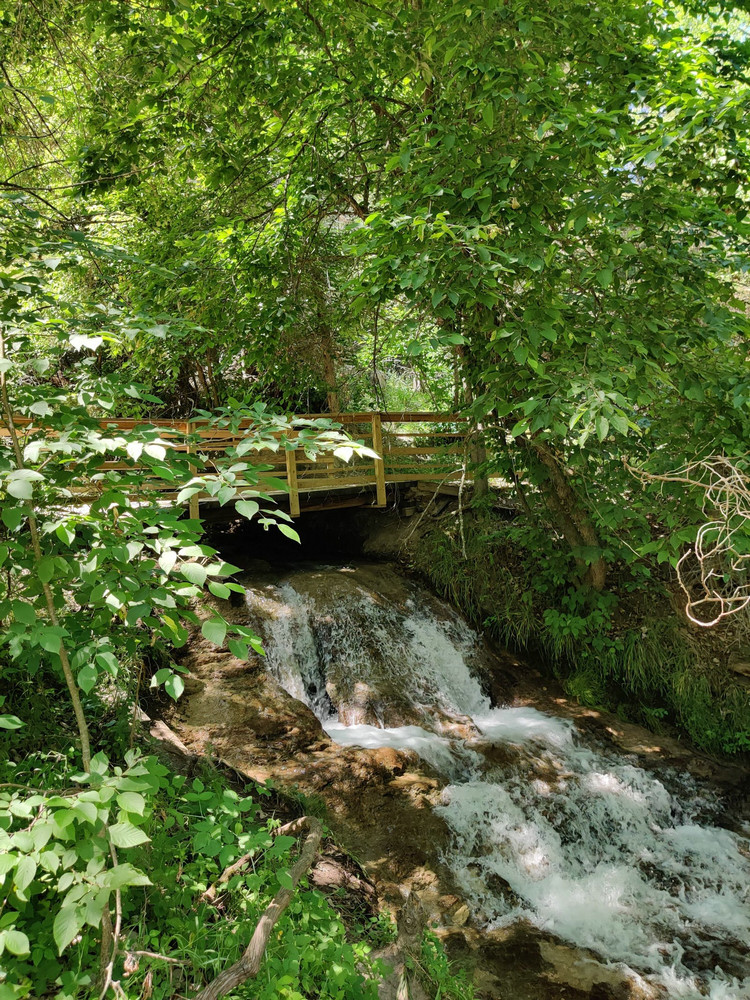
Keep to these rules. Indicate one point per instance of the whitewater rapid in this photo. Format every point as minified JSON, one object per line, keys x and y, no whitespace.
{"x":578,"y":840}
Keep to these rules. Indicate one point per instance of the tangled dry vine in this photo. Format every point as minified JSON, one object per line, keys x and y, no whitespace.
{"x":713,"y":572}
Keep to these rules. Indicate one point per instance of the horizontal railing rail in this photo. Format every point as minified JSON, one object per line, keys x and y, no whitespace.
{"x":412,"y":446}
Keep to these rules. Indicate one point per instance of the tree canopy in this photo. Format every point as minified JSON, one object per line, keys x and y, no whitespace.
{"x":534,"y":212}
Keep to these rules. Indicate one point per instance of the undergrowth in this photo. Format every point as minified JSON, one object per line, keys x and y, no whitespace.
{"x":172,"y":941}
{"x":176,"y":835}
{"x":624,"y":650}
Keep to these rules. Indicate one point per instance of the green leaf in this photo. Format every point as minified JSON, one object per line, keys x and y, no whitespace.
{"x":46,"y":569}
{"x":167,"y":560}
{"x":488,"y":114}
{"x":215,"y":630}
{"x":604,"y":277}
{"x":285,"y":529}
{"x":65,"y":534}
{"x":238,"y":648}
{"x":68,"y":923}
{"x":25,"y":872}
{"x":194,"y":573}
{"x":50,"y":637}
{"x":10,"y":722}
{"x":285,"y":880}
{"x":21,"y":489}
{"x":109,"y":662}
{"x":248,"y":508}
{"x":174,"y":686}
{"x":219,"y":589}
{"x":23,"y":612}
{"x":125,"y":874}
{"x":125,"y":834}
{"x":87,"y":677}
{"x":132,"y":802}
{"x":12,"y":517}
{"x":16,"y":942}
{"x":7,"y":862}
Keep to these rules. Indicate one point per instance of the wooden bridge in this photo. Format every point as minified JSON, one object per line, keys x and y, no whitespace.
{"x":413,"y":447}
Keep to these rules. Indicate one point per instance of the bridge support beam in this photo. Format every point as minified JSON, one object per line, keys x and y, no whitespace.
{"x":291,"y":478}
{"x":377,"y":444}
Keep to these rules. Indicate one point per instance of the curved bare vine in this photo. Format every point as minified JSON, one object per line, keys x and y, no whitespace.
{"x":714,"y":572}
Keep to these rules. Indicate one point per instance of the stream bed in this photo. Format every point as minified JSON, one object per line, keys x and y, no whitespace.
{"x":538,"y":828}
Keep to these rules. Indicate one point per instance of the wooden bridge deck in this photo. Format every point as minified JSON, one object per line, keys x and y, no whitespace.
{"x":412,"y":447}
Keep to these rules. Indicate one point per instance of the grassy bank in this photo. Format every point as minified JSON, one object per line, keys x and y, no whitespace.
{"x":628,"y":650}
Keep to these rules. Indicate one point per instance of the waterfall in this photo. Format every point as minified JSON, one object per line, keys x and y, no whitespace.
{"x":575,"y":839}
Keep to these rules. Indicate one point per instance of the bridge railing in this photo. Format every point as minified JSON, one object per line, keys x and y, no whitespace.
{"x":412,"y":445}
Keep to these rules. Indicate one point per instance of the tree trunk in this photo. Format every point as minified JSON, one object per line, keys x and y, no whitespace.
{"x":573,"y":519}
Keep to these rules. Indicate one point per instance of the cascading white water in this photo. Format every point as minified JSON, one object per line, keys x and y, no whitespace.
{"x":576,"y":840}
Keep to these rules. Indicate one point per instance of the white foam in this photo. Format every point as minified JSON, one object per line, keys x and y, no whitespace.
{"x":581,"y":843}
{"x":522,"y":725}
{"x":435,"y":750}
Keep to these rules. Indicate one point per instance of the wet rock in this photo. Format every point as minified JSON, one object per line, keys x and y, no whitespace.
{"x":394,"y":761}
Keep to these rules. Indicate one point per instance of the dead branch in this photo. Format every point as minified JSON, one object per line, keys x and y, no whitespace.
{"x":209,"y":896}
{"x":248,"y":966}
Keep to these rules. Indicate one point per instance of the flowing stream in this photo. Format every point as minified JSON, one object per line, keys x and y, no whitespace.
{"x":546,"y":826}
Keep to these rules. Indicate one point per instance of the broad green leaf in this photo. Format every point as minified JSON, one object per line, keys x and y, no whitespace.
{"x":285,"y":880}
{"x":10,"y":722}
{"x":7,"y":862}
{"x":125,"y":874}
{"x":50,"y":637}
{"x":194,"y":572}
{"x":248,"y":508}
{"x":25,"y":872}
{"x":124,"y":834}
{"x":289,"y":532}
{"x":87,"y":677}
{"x":215,"y":630}
{"x":24,"y":612}
{"x":12,"y":517}
{"x":167,"y":560}
{"x":132,"y":802}
{"x":16,"y":942}
{"x":46,"y":569}
{"x":174,"y":686}
{"x":109,"y":662}
{"x":68,"y":923}
{"x":65,"y":534}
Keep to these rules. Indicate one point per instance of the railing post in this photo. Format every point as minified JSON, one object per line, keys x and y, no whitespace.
{"x":377,"y":444}
{"x":291,"y":478}
{"x":478,"y":456}
{"x":194,"y":505}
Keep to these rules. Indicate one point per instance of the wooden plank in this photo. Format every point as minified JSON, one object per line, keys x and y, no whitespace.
{"x":332,"y":484}
{"x":377,"y":444}
{"x":358,"y":501}
{"x":437,"y":450}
